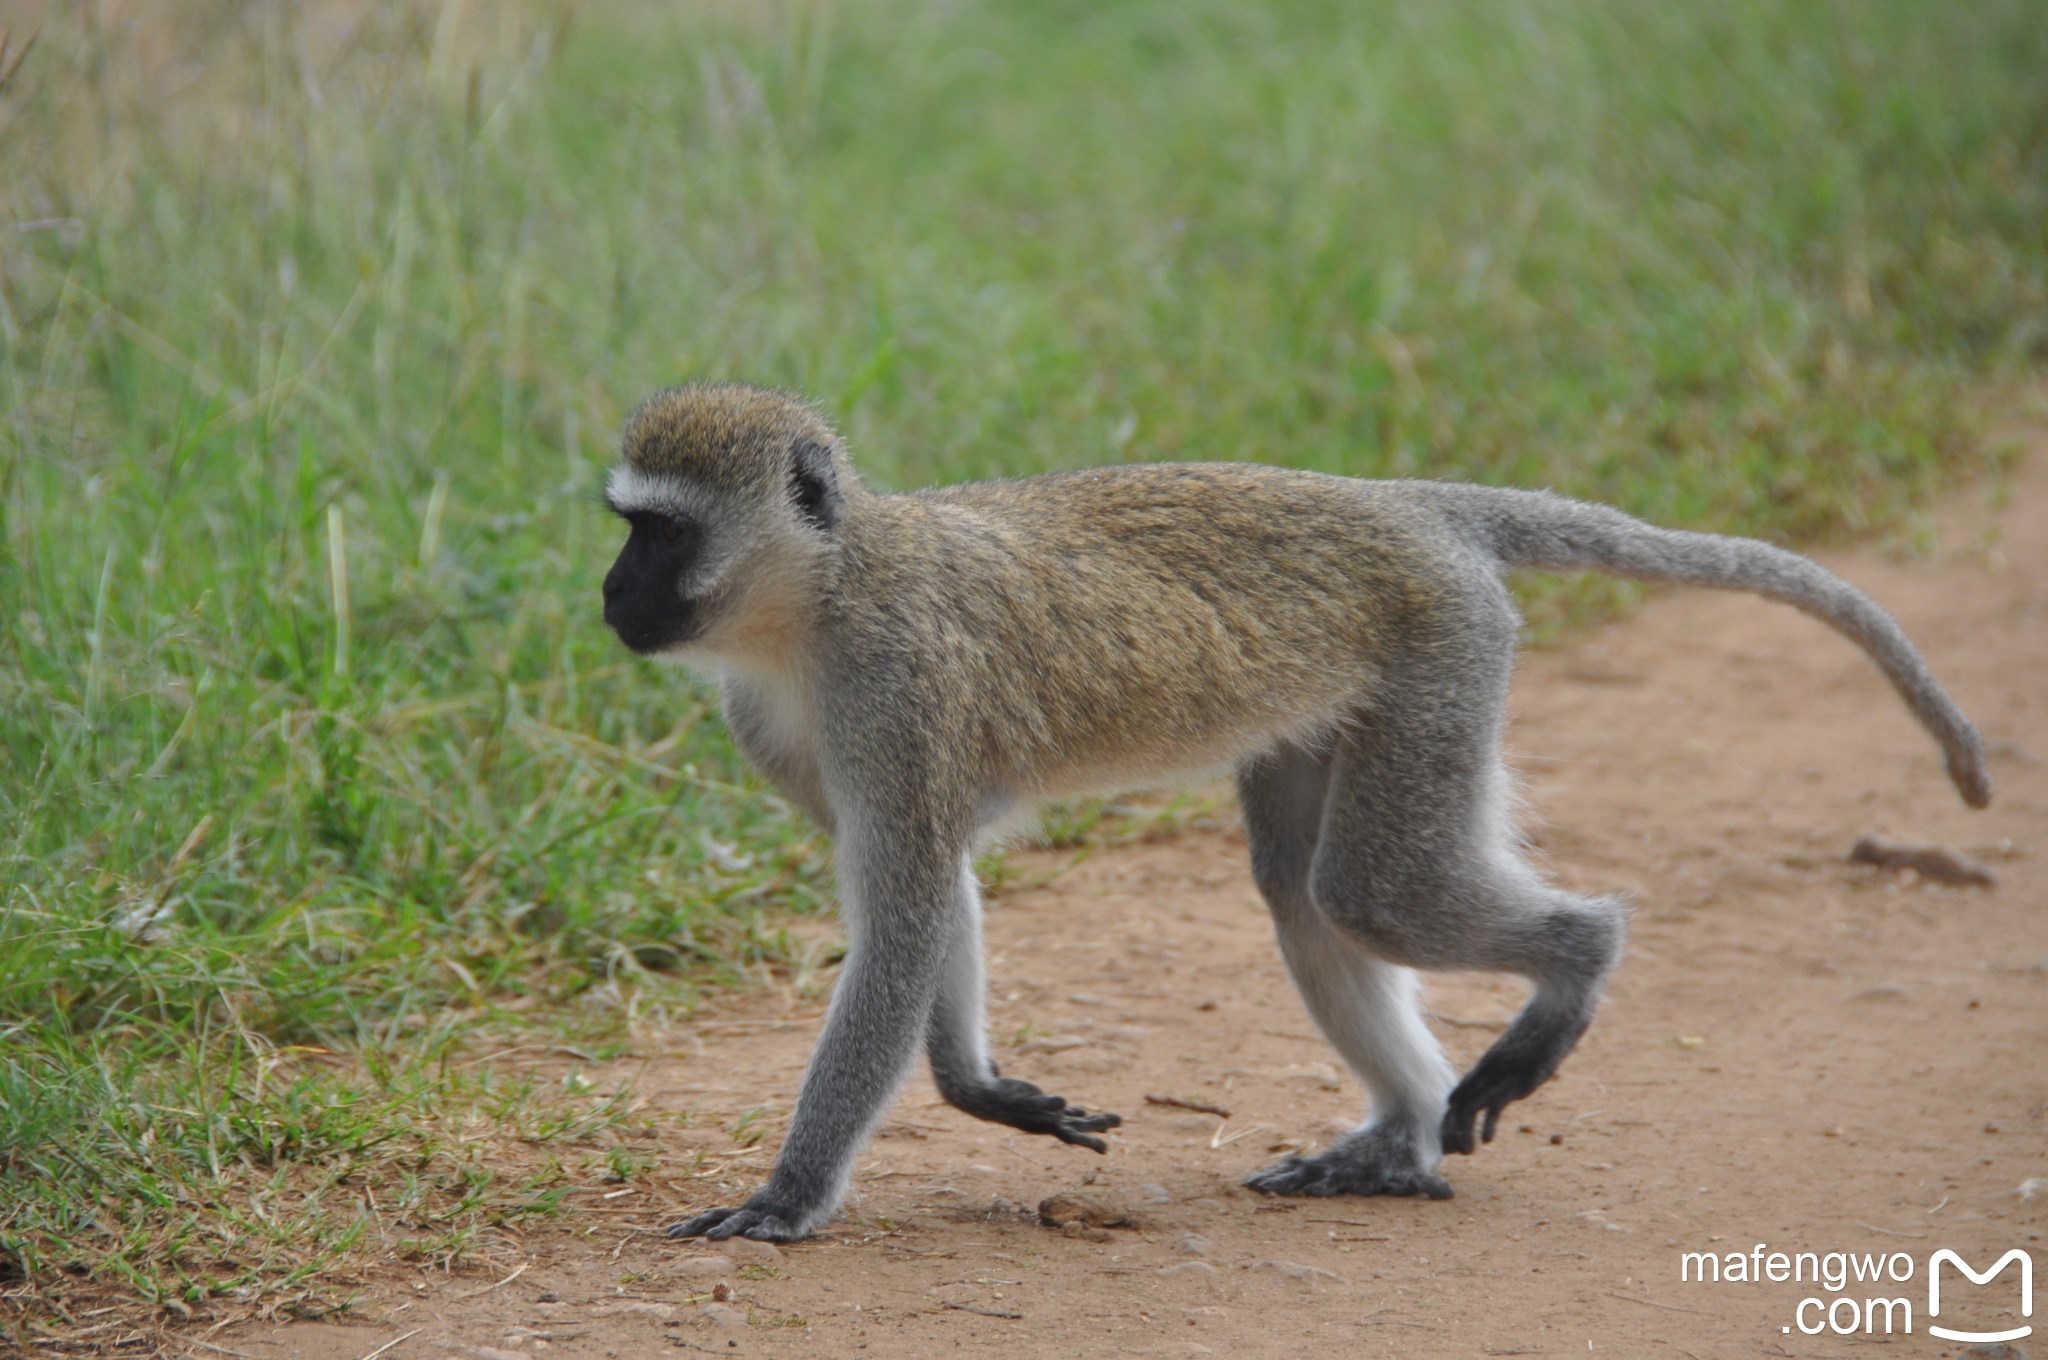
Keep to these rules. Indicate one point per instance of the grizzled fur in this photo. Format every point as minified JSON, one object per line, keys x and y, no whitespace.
{"x":913,"y":670}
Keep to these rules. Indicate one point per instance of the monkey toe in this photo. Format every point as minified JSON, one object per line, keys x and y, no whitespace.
{"x":761,"y":1224}
{"x":1342,"y":1171}
{"x":1458,"y":1134}
{"x":1521,"y":1060}
{"x":1478,"y":1100}
{"x":761,"y":1227}
{"x":699,"y":1226}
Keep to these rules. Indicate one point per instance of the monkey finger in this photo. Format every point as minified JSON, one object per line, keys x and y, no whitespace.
{"x":1068,"y":1134}
{"x":1022,"y":1093}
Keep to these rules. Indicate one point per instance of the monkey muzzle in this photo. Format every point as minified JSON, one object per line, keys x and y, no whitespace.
{"x":647,"y":615}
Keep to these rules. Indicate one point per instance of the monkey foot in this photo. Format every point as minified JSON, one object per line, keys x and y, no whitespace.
{"x":1361,"y":1165}
{"x":763,"y":1225}
{"x":1496,"y":1082}
{"x":1519,"y":1061}
{"x":1005,"y":1100}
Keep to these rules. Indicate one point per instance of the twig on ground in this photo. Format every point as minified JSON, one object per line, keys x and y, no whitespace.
{"x":372,"y":1355}
{"x":1198,"y":1106}
{"x":1936,"y":862}
{"x":489,"y":1288}
{"x":1652,"y":1303}
{"x":984,"y":1312}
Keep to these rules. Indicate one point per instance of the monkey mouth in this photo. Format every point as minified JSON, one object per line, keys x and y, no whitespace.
{"x":653,"y":636}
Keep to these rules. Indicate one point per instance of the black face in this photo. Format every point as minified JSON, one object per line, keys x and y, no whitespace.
{"x":643,"y":599}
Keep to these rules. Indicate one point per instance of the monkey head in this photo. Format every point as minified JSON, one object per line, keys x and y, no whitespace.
{"x":732,"y":497}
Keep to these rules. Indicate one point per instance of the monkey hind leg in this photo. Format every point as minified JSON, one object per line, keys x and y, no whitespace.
{"x":1365,"y":1006}
{"x":1578,"y":941}
{"x":1418,"y":864}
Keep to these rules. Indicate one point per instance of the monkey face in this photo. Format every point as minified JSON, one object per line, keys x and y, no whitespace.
{"x":644,"y":593}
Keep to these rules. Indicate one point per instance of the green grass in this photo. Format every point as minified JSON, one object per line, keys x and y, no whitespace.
{"x":315,"y":763}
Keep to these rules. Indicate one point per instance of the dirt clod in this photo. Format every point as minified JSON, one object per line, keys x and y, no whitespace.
{"x":1084,"y":1212}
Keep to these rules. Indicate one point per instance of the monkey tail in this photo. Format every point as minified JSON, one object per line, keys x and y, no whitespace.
{"x":1547,"y":531}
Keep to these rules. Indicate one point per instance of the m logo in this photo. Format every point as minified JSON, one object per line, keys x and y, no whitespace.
{"x":2026,"y":1292}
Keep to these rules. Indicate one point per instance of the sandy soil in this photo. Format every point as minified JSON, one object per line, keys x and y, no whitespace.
{"x":1798,"y":1052}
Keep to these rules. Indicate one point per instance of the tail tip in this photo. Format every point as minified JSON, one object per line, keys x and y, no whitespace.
{"x":1973,"y":781}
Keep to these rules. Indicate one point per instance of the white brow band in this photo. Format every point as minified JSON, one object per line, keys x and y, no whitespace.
{"x":628,"y":489}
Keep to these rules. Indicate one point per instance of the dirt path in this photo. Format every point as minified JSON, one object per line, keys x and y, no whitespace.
{"x":1797,"y":1052}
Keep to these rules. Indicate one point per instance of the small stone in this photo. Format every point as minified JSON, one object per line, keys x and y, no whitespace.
{"x":1194,"y":1244}
{"x":634,"y":1308}
{"x":1993,"y":1350}
{"x":1154,"y":1194}
{"x":1200,"y":1269}
{"x":1312,"y":1276}
{"x":701,"y":1267}
{"x":1320,"y":1075}
{"x":493,"y":1353}
{"x":722,"y":1315}
{"x":747,"y":1249}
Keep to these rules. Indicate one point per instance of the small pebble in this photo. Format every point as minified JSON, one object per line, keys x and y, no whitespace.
{"x":1198,"y":1268}
{"x":1313,"y":1276}
{"x":722,"y":1315}
{"x":747,"y":1249}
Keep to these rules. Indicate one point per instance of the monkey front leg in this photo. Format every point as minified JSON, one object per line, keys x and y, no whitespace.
{"x":956,"y":1039}
{"x":898,"y":913}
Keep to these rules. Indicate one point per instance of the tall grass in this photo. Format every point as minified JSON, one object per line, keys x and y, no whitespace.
{"x":318,"y":323}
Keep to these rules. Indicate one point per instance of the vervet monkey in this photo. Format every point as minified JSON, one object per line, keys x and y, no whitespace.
{"x":912,"y":670}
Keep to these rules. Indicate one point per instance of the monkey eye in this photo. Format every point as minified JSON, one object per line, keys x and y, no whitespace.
{"x":669,"y":530}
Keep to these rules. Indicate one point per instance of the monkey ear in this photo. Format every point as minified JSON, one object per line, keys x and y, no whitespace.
{"x":814,"y":484}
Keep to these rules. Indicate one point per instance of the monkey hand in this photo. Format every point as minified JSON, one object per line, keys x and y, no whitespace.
{"x":1005,"y":1100}
{"x":759,"y":1218}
